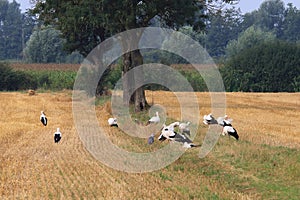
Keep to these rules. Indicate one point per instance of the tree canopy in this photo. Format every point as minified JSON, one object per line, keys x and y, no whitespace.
{"x":86,"y":23}
{"x":45,"y":46}
{"x":270,"y":66}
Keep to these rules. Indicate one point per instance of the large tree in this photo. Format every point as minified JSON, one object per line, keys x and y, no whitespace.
{"x":45,"y":46}
{"x":221,"y":28}
{"x":86,"y":23}
{"x":10,"y":30}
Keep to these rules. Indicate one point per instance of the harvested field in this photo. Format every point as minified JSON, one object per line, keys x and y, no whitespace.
{"x":264,"y":164}
{"x":45,"y":66}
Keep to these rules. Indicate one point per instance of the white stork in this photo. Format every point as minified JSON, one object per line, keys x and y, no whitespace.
{"x":184,"y":128}
{"x":169,"y":133}
{"x":224,"y":121}
{"x":112,"y":122}
{"x":43,"y":118}
{"x":209,"y":119}
{"x":154,"y":119}
{"x":230,"y":131}
{"x":57,"y":136}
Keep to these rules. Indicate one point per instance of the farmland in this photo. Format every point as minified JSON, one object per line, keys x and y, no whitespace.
{"x":264,"y":164}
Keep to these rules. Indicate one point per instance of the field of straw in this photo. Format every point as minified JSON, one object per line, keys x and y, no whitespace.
{"x":264,"y":164}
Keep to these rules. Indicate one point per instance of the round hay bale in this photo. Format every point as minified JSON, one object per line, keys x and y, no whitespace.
{"x":31,"y":92}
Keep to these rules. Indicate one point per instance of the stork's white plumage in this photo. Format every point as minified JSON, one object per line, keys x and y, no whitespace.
{"x":224,"y":121}
{"x":229,"y":130}
{"x":184,"y":128}
{"x":172,"y":126}
{"x":186,"y":142}
{"x":112,"y":121}
{"x":57,"y":136}
{"x":43,"y":118}
{"x":167,"y":132}
{"x":209,"y":119}
{"x":154,"y":119}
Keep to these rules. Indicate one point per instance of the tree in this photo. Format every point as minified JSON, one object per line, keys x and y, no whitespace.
{"x":86,"y":23}
{"x":45,"y":46}
{"x":270,"y":16}
{"x":249,"y":38}
{"x":271,"y":66}
{"x":10,"y":30}
{"x":221,"y":28}
{"x":291,"y":28}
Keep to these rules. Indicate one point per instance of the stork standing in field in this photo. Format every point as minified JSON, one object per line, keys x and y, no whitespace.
{"x":209,"y":119}
{"x":230,"y":131}
{"x":112,"y":122}
{"x":184,"y":128}
{"x":224,"y":121}
{"x":57,"y":136}
{"x":169,"y":133}
{"x":154,"y":119}
{"x":43,"y":118}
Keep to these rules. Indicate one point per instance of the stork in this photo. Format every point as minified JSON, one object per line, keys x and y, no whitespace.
{"x":184,"y":128}
{"x":112,"y":122}
{"x":43,"y":118}
{"x":209,"y":119}
{"x":154,"y":119}
{"x":230,"y":131}
{"x":169,"y":133}
{"x":57,"y":136}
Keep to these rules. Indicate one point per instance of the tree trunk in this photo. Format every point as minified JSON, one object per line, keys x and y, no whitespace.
{"x":139,"y":94}
{"x":131,"y":94}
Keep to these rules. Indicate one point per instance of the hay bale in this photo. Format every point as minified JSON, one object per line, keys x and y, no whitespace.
{"x":31,"y":92}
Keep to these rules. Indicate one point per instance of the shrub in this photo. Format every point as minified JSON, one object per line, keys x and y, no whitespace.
{"x":14,"y":80}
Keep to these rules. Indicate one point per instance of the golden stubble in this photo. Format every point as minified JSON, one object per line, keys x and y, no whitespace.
{"x":32,"y":166}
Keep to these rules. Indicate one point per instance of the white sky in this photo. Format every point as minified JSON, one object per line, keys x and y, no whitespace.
{"x":245,"y":5}
{"x":250,"y":5}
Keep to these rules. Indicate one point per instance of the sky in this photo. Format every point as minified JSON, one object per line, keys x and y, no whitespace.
{"x":244,"y":5}
{"x":250,"y":5}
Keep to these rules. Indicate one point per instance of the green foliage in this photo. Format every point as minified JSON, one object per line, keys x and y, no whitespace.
{"x":45,"y":46}
{"x":270,"y":16}
{"x":268,"y":67}
{"x":10,"y":30}
{"x":195,"y":79}
{"x":291,"y":31}
{"x":222,"y":28}
{"x":250,"y":37}
{"x":14,"y":80}
{"x":53,"y":80}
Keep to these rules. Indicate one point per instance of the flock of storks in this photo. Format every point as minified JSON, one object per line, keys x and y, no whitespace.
{"x":168,"y":132}
{"x":44,"y":120}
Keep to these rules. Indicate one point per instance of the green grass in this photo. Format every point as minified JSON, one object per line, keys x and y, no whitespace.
{"x":272,"y":172}
{"x":233,"y":167}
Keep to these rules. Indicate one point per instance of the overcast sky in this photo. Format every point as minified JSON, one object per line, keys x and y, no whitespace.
{"x":244,"y":5}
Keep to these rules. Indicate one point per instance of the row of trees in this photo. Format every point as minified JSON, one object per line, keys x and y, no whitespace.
{"x":16,"y":28}
{"x":23,"y":37}
{"x":65,"y":27}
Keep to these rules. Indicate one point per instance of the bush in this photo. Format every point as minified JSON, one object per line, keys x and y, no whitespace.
{"x":267,"y":67}
{"x":52,"y":79}
{"x":12,"y":80}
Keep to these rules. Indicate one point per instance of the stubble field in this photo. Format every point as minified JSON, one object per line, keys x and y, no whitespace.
{"x":264,"y":164}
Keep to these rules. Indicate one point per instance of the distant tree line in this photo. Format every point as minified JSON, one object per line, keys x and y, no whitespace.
{"x":230,"y":37}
